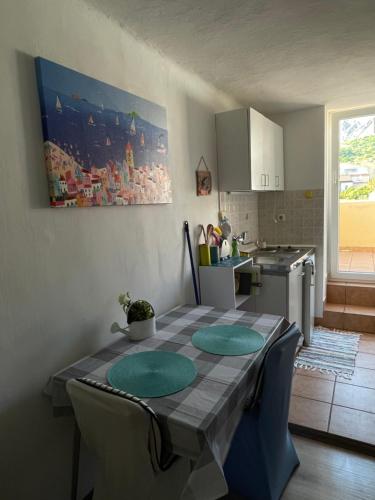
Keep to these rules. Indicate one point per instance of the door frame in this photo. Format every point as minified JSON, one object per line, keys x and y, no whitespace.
{"x":333,"y":221}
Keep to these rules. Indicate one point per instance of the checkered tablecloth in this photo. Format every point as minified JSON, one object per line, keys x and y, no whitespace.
{"x":200,"y":420}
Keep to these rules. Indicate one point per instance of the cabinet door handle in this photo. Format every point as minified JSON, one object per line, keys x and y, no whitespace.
{"x":268,"y":180}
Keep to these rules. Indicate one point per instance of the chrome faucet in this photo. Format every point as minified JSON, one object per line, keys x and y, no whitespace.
{"x":242,"y":238}
{"x":260,"y":243}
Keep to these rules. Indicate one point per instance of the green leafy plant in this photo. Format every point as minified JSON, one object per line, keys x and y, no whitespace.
{"x":139,"y":310}
{"x":358,"y":192}
{"x":360,"y":151}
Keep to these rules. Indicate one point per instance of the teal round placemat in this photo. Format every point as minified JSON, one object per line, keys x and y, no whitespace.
{"x":152,"y":374}
{"x":228,"y":340}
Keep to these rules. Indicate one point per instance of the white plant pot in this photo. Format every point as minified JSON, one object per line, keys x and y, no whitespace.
{"x":139,"y":330}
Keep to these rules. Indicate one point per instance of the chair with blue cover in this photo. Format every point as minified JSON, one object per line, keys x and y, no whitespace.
{"x":124,"y":435}
{"x":262,"y":456}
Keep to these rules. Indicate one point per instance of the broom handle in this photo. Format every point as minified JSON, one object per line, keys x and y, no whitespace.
{"x":186,"y":228}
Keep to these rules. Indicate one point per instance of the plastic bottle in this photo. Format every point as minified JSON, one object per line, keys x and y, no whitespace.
{"x":235,"y":251}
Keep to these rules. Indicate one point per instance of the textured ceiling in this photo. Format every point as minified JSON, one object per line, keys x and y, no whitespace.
{"x":276,"y":55}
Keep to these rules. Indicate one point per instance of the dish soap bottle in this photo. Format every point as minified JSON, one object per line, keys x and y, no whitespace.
{"x":235,"y":251}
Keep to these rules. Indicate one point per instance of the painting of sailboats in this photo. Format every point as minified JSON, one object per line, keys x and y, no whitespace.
{"x":102,"y":145}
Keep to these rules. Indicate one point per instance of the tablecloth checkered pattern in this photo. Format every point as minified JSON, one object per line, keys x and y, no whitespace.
{"x":199,"y":421}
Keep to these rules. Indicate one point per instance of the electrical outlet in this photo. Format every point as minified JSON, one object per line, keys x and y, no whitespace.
{"x":281,"y":217}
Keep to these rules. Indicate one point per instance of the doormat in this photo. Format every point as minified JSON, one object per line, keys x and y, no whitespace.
{"x":331,"y":351}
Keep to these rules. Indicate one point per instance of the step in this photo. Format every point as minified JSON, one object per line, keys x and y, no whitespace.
{"x":356,"y":294}
{"x":349,"y":317}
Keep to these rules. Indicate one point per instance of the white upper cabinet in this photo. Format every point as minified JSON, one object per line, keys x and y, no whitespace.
{"x":250,"y":152}
{"x":257,"y":137}
{"x":278,"y":144}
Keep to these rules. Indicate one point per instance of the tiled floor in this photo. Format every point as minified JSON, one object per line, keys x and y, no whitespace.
{"x":361,"y":262}
{"x":336,"y":405}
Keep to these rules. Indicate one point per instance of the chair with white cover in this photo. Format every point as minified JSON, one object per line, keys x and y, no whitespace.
{"x":123,"y":434}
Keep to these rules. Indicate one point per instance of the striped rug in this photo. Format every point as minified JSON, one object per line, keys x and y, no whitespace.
{"x":331,"y":351}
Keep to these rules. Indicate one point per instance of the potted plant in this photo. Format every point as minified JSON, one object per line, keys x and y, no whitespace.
{"x":140,"y":317}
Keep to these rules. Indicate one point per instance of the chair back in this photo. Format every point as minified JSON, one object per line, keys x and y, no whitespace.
{"x":277,"y":374}
{"x":122,"y":436}
{"x":262,"y":456}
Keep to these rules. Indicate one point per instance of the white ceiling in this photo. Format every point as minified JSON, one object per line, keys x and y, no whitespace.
{"x":276,"y":55}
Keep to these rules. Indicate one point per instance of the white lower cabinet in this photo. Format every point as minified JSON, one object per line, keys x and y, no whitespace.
{"x":281,"y":294}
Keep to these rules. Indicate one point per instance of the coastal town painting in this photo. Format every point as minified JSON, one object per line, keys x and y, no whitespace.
{"x":102,"y":145}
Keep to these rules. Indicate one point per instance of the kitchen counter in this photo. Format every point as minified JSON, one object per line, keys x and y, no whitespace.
{"x":233,"y":262}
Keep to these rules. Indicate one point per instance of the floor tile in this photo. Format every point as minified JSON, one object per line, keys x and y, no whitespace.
{"x":309,"y":413}
{"x":362,"y":377}
{"x":333,"y":319}
{"x":336,"y":294}
{"x":358,"y":322}
{"x":316,"y":373}
{"x":362,"y":309}
{"x":360,"y":295}
{"x":364,"y":258}
{"x":362,"y":261}
{"x":353,"y":409}
{"x":345,"y":254}
{"x":365,"y":360}
{"x":313,"y":388}
{"x":366,"y":344}
{"x":354,"y":397}
{"x":359,"y":262}
{"x":353,"y":424}
{"x":368,"y":337}
{"x":345,"y":259}
{"x":361,"y":267}
{"x":344,"y":267}
{"x":334,"y":307}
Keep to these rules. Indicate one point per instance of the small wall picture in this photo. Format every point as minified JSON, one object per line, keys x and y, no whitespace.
{"x":204,"y":180}
{"x":204,"y":183}
{"x":102,"y":145}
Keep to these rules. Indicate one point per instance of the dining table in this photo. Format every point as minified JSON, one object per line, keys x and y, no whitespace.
{"x":199,"y":421}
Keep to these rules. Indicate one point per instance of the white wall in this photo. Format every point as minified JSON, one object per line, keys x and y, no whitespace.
{"x":304,"y":160}
{"x":303,"y":147}
{"x":62,"y":269}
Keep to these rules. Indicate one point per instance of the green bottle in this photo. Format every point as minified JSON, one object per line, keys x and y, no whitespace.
{"x":235,"y":251}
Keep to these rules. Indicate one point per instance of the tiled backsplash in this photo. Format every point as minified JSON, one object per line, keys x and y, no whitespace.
{"x":256,"y":212}
{"x":242,"y":212}
{"x":304,"y":217}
